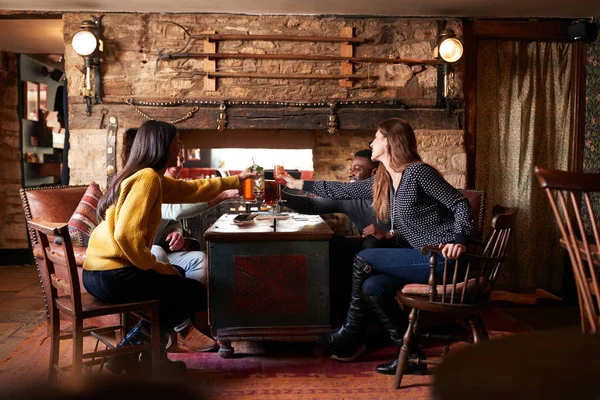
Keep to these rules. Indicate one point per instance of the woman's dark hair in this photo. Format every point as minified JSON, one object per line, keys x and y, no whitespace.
{"x":150,"y":149}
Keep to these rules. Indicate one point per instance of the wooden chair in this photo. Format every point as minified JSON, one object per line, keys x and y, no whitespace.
{"x":67,"y":299}
{"x":477,"y":200}
{"x":465,"y":294}
{"x":569,"y":194}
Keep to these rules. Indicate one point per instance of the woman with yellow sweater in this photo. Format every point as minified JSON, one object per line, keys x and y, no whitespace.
{"x":120,"y":267}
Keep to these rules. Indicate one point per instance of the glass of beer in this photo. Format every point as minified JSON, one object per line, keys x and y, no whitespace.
{"x":271,"y":194}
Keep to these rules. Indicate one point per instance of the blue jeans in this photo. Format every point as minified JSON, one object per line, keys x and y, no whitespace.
{"x":395,"y":267}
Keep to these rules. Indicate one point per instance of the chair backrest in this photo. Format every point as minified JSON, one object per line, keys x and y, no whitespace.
{"x":60,"y":230}
{"x":475,"y":282}
{"x":53,"y":204}
{"x":570,"y":198}
{"x":477,"y":199}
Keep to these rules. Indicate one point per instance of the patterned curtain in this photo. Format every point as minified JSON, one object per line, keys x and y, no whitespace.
{"x":523,"y":120}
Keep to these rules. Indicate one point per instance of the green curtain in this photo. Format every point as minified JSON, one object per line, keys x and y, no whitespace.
{"x":523,"y":120}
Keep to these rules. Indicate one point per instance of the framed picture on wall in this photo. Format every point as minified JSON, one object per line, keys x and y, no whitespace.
{"x":32,"y":101}
{"x":43,"y":96}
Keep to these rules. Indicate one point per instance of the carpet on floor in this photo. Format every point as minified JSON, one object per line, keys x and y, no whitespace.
{"x":267,"y":370}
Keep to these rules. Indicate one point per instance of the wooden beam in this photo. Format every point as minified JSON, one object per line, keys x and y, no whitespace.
{"x":278,"y":118}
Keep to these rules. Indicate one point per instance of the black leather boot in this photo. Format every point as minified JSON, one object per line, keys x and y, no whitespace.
{"x":389,"y":368}
{"x":389,"y":313}
{"x":128,"y":363}
{"x":347,"y":342}
{"x":167,"y":367}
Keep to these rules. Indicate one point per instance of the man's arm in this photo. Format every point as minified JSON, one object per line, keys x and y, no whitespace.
{"x":182,"y":211}
{"x":311,"y":205}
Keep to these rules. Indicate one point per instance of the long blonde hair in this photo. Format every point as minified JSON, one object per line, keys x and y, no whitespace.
{"x":402,"y":149}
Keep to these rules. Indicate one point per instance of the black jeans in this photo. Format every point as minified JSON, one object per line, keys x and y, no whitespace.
{"x":179,"y":297}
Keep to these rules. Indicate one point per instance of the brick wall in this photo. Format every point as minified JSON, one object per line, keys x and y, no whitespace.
{"x":13,"y":233}
{"x":130,"y":69}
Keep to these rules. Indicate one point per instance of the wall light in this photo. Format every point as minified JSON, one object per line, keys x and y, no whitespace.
{"x":448,"y":51}
{"x":88,"y":44}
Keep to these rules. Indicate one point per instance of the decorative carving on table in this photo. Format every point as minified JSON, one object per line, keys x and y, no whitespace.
{"x":282,"y":290}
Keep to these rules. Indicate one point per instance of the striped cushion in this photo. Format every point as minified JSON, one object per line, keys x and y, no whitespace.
{"x":84,"y":219}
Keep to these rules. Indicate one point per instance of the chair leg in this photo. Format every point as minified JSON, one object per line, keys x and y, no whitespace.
{"x":407,"y":340}
{"x":478,"y":329}
{"x":54,"y":333}
{"x":77,"y":348}
{"x":155,"y":339}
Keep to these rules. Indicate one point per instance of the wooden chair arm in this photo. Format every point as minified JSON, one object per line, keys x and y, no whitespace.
{"x":435,"y":251}
{"x":47,"y":227}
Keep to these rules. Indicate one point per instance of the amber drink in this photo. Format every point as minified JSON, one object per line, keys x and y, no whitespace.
{"x":249,"y":190}
{"x":271,"y":192}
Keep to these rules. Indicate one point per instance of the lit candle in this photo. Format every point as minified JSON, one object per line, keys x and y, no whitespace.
{"x":241,"y":208}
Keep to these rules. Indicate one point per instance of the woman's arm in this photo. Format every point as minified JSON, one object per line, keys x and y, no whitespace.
{"x":435,"y":186}
{"x":195,"y":191}
{"x":333,"y":189}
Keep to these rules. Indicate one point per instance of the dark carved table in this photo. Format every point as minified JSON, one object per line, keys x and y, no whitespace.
{"x":267,"y":283}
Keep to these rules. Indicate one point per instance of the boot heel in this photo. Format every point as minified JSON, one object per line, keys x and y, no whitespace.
{"x":351,"y":356}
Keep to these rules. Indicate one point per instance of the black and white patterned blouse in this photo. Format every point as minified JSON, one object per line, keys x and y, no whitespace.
{"x":427,"y":210}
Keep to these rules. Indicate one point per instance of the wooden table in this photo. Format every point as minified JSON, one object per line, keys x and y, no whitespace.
{"x":265,"y":284}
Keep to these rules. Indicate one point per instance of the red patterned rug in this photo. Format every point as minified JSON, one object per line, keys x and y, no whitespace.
{"x":269,"y":370}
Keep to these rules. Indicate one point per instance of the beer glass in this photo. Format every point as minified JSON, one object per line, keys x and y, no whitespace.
{"x":271,"y":194}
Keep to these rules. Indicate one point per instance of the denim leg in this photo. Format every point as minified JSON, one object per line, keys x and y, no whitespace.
{"x":192,"y":262}
{"x":406,"y":264}
{"x":159,"y":253}
{"x":377,"y":285}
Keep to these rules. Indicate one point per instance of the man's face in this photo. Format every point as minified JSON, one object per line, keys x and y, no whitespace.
{"x":361,"y":168}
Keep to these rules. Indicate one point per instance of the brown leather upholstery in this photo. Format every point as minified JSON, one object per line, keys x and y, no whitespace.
{"x":476,"y":198}
{"x":57,"y":249}
{"x":55,"y":204}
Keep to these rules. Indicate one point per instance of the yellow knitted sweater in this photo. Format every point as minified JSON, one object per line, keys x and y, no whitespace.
{"x":126,"y":234}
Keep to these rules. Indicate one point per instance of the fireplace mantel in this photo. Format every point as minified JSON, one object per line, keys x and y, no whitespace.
{"x":349,"y":117}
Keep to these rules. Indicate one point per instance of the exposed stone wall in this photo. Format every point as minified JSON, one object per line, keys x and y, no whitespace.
{"x":13,"y":233}
{"x":130,"y":69}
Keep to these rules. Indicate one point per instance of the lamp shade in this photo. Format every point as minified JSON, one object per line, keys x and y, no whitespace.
{"x":451,"y":50}
{"x":84,"y":43}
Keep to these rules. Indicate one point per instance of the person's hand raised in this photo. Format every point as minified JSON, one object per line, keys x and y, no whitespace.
{"x":247,"y":173}
{"x":289,"y":181}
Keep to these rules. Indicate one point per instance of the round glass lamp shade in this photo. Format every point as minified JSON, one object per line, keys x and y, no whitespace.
{"x":84,"y":43}
{"x":451,"y":50}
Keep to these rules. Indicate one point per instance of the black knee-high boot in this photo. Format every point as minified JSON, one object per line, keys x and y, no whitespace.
{"x":348,"y":339}
{"x":393,"y":320}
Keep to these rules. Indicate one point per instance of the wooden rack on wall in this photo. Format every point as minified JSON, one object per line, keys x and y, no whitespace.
{"x":346,"y":75}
